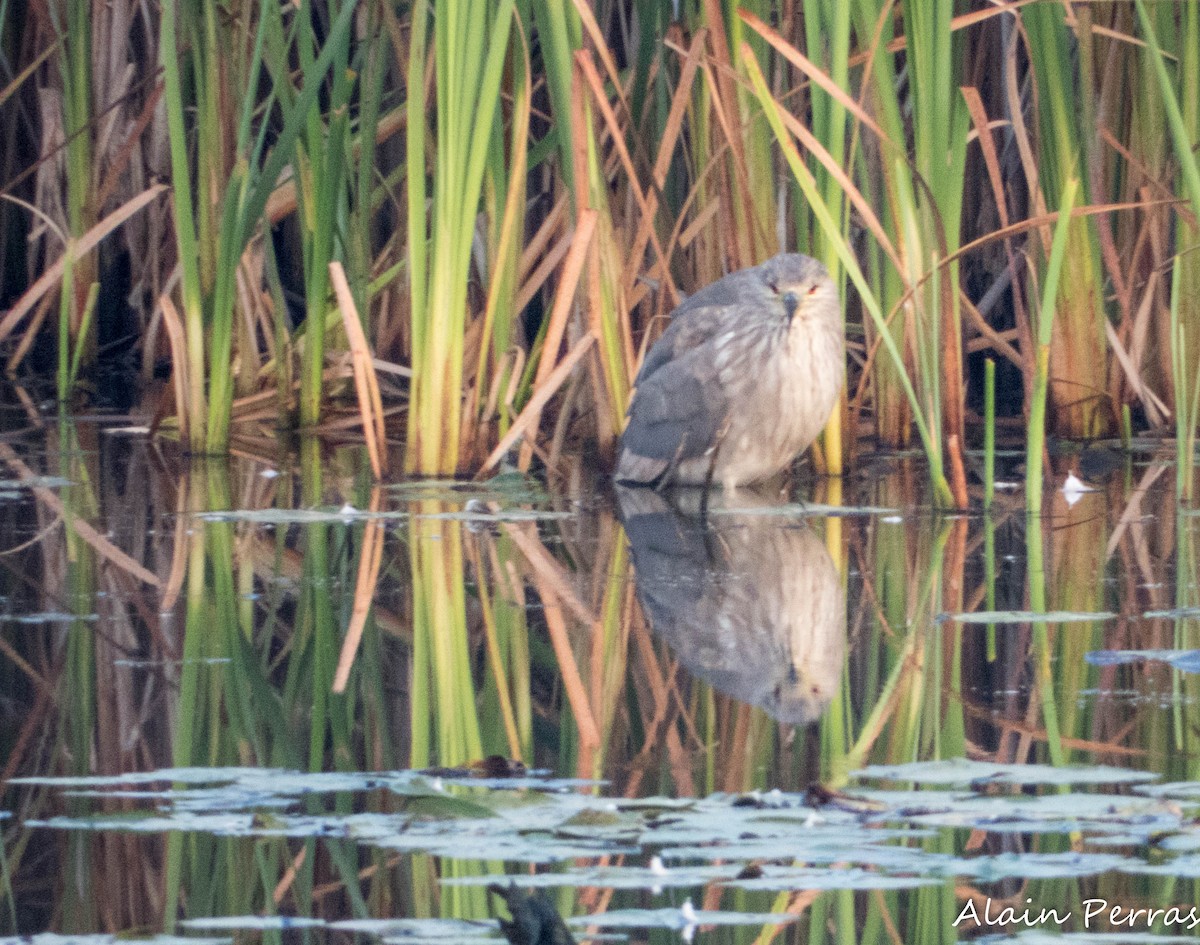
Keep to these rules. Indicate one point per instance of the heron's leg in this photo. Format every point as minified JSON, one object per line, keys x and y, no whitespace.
{"x":803,"y":497}
{"x":716,"y":548}
{"x":714,"y":452}
{"x":789,"y":487}
{"x":668,"y":474}
{"x":708,"y":483}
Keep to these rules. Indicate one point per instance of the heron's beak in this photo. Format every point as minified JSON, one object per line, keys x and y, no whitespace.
{"x":791,"y":302}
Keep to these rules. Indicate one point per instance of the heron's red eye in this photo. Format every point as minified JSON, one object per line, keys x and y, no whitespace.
{"x":812,"y":290}
{"x":773,"y":287}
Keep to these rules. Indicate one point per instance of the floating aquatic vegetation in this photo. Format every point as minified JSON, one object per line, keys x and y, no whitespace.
{"x":193,"y":776}
{"x":275,"y":516}
{"x":422,"y":931}
{"x":99,"y":938}
{"x":1040,"y":937}
{"x":35,"y":482}
{"x":477,"y":506}
{"x":1183,"y":867}
{"x":1187,"y":661}
{"x":1000,"y":866}
{"x":655,"y":877}
{"x":221,"y":825}
{"x":881,"y":842}
{"x":432,"y":928}
{"x":1026,"y":616}
{"x":51,"y":617}
{"x":817,"y":851}
{"x":155,"y":664}
{"x":501,"y":515}
{"x":254,"y":922}
{"x":965,"y":771}
{"x":1173,"y":613}
{"x":971,"y":809}
{"x":683,"y":919}
{"x":783,"y":879}
{"x":1179,"y":790}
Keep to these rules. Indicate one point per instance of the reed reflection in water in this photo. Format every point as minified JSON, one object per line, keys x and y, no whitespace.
{"x":752,"y":605}
{"x":211,"y":638}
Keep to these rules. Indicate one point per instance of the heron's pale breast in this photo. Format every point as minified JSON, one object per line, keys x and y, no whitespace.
{"x":782,"y":405}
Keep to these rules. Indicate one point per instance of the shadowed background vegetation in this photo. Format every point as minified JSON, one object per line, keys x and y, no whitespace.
{"x":512,"y":194}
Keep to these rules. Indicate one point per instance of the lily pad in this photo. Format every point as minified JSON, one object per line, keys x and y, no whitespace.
{"x":875,"y":844}
{"x":254,"y":922}
{"x":1179,"y":790}
{"x":1187,"y":661}
{"x":100,"y":938}
{"x":1176,"y":613}
{"x":163,"y":775}
{"x":425,"y":931}
{"x":682,"y":918}
{"x":1001,"y":866}
{"x":778,"y":879}
{"x":612,"y":877}
{"x":1040,"y":937}
{"x":146,"y":822}
{"x":965,"y":771}
{"x":1187,"y":867}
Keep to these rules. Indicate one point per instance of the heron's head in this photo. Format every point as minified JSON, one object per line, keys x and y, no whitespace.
{"x":798,"y":698}
{"x":802,"y":286}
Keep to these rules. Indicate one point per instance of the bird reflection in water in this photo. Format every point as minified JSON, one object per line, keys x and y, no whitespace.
{"x":749,"y":602}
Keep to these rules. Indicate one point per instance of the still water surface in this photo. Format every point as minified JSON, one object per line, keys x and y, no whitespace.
{"x":252,"y":700}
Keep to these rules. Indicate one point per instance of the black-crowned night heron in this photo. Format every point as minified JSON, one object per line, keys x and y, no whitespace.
{"x":747,"y":602}
{"x":743,"y":379}
{"x":535,"y":920}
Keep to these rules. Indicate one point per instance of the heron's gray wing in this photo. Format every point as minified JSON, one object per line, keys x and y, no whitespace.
{"x":671,"y":561}
{"x":688,"y":330}
{"x":733,"y":289}
{"x":679,"y":409}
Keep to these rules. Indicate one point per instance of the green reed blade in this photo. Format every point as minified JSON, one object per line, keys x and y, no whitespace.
{"x":185,"y":223}
{"x":1078,"y":361}
{"x":1042,"y":668}
{"x":1186,"y":381}
{"x":989,"y":572}
{"x":468,"y":86}
{"x":989,"y":433}
{"x":870,"y":302}
{"x":1036,"y":437}
{"x":1189,"y":164}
